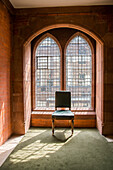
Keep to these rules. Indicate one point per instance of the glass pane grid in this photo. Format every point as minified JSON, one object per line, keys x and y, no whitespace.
{"x":47,"y":74}
{"x":79,"y":72}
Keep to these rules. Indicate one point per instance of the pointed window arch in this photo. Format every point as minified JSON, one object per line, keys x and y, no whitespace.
{"x":79,"y":72}
{"x":47,"y":73}
{"x":70,"y":67}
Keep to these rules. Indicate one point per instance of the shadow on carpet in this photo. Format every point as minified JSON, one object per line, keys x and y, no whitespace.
{"x":39,"y":150}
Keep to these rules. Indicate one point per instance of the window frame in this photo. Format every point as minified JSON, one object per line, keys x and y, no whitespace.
{"x":63,"y":70}
{"x":93,"y":69}
{"x":34,"y":68}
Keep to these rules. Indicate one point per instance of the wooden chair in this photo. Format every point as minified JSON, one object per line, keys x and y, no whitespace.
{"x":62,"y":100}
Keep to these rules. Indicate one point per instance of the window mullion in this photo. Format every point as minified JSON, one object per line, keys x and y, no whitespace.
{"x":63,"y":71}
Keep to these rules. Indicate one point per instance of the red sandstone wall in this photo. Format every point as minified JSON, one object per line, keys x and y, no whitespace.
{"x":98,"y":20}
{"x":5,"y":56}
{"x":99,"y":88}
{"x":27,"y":86}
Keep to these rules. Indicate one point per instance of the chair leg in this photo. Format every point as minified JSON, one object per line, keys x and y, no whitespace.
{"x":53,"y":127}
{"x":72,"y":125}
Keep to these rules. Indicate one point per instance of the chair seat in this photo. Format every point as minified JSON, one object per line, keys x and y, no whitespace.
{"x":63,"y":114}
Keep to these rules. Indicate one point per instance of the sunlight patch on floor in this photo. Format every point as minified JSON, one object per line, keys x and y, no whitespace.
{"x":8,"y":147}
{"x":40,"y":148}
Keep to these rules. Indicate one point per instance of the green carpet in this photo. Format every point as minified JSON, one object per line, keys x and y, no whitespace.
{"x":39,"y":150}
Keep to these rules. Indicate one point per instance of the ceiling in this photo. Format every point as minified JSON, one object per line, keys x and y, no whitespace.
{"x":56,"y":3}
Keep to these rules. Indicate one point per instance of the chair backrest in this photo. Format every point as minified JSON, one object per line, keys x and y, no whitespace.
{"x":62,"y":99}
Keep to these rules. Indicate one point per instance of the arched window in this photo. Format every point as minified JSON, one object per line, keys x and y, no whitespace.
{"x":63,"y":65}
{"x":47,"y":73}
{"x":79,"y":72}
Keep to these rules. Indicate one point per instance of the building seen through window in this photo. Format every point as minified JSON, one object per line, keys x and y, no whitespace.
{"x":79,"y":72}
{"x":47,"y":72}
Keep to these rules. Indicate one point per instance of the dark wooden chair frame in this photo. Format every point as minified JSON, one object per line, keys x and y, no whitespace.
{"x":62,"y":100}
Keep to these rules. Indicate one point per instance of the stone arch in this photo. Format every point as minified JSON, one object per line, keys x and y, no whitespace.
{"x":99,"y":72}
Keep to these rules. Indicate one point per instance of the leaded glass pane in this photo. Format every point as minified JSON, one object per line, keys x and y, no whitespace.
{"x":79,"y":72}
{"x":47,"y":73}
